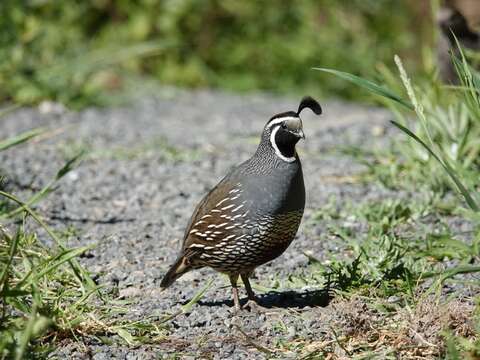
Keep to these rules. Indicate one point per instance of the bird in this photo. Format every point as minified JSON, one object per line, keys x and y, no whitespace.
{"x":252,"y":215}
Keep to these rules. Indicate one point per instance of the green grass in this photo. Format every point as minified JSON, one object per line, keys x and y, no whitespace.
{"x":442,"y":124}
{"x":401,"y":255}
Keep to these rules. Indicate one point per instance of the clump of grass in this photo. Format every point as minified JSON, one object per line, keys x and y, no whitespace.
{"x":388,"y":281}
{"x":390,"y":254}
{"x":39,"y":290}
{"x":441,"y":148}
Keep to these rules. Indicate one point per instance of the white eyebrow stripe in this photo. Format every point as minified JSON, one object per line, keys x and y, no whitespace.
{"x":280,"y":120}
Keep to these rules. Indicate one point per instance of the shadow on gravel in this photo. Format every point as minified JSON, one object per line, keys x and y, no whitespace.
{"x":113,"y":220}
{"x":285,"y":299}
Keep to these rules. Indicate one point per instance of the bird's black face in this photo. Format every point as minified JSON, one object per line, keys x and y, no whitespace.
{"x":291,"y":130}
{"x":284,"y":130}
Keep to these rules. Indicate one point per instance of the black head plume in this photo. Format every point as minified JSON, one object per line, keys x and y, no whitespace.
{"x":311,"y":103}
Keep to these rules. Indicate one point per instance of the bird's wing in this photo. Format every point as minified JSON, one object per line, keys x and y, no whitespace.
{"x":220,"y":213}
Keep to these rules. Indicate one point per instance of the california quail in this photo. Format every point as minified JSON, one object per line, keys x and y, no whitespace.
{"x":253,"y":214}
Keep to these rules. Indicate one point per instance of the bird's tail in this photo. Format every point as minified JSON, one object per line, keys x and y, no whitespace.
{"x":180,"y":267}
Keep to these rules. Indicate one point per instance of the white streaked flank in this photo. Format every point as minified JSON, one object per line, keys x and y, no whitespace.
{"x":237,"y":208}
{"x":228,"y":207}
{"x":201,"y":246}
{"x":221,"y":202}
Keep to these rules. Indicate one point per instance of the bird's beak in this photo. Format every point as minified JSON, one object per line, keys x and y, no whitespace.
{"x":301,"y":134}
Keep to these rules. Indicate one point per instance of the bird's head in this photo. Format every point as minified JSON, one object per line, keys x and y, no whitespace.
{"x":284,"y":130}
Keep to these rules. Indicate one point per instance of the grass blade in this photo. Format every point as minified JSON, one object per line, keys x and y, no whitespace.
{"x":36,"y":325}
{"x":19,"y":139}
{"x":449,"y":273}
{"x":461,"y":188}
{"x":12,"y":251}
{"x":369,"y":85}
{"x":48,"y":188}
{"x":8,"y":109}
{"x":187,"y":307}
{"x":125,"y":335}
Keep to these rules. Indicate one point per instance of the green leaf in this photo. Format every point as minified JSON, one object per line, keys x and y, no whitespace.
{"x":187,"y":307}
{"x":13,"y":293}
{"x":369,"y":85}
{"x":69,"y":165}
{"x":125,"y":335}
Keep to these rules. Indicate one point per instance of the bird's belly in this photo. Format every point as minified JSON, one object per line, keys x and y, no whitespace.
{"x":255,"y":244}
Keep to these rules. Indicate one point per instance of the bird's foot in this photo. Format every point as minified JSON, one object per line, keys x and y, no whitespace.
{"x":254,"y":306}
{"x":235,"y":310}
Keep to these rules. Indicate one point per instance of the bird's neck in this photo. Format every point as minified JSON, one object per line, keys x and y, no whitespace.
{"x":283,"y":155}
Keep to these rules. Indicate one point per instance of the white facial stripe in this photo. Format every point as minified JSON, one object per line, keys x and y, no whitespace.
{"x":280,"y":120}
{"x":275,"y":147}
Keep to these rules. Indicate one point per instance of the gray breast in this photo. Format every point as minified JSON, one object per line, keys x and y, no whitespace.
{"x":277,"y":192}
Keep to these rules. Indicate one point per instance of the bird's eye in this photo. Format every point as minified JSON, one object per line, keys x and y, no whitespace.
{"x":284,"y":126}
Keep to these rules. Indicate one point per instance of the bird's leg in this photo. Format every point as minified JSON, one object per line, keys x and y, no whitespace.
{"x":236,"y":300}
{"x":252,"y":302}
{"x":246,"y":282}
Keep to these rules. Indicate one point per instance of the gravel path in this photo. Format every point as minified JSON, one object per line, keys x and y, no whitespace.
{"x":150,"y":164}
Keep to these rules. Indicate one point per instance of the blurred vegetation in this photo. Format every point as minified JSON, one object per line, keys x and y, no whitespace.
{"x":78,"y":51}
